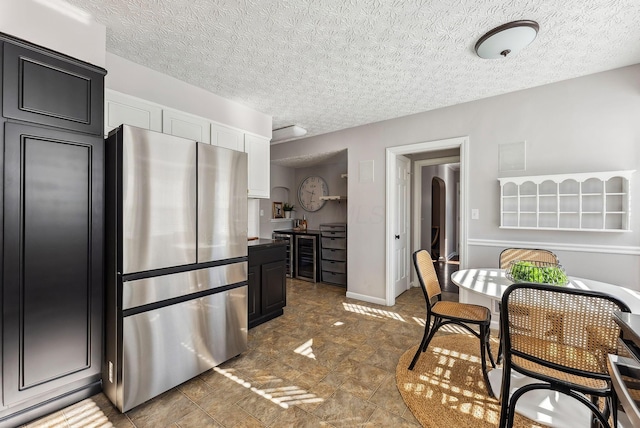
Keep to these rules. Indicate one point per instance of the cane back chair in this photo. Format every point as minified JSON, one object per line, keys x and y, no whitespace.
{"x":509,"y":255}
{"x":512,"y":254}
{"x":443,"y":313}
{"x":560,"y":337}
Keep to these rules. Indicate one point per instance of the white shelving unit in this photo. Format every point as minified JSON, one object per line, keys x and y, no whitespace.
{"x":335,"y":197}
{"x":596,"y":201}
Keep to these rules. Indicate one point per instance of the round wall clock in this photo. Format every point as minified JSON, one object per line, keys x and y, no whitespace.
{"x":310,"y":191}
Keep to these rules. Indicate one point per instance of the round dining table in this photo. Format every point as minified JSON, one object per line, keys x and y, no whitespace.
{"x":546,"y":407}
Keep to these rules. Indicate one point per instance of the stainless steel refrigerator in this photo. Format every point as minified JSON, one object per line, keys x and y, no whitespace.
{"x":176,"y":261}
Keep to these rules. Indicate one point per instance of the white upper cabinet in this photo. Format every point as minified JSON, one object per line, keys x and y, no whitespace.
{"x":259,"y":153}
{"x":123,"y":109}
{"x":230,"y":138}
{"x":184,"y":125}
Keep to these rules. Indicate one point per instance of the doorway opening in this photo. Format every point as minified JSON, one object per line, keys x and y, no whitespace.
{"x":438,"y":218}
{"x":460,"y":144}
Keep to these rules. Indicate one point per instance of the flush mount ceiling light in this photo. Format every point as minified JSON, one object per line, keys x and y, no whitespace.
{"x":507,"y":39}
{"x":287,"y":133}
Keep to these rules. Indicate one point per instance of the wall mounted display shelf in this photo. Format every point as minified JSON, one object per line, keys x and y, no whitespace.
{"x":598,"y":201}
{"x":335,"y":197}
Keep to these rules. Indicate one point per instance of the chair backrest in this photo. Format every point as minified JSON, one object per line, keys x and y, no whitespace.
{"x":570,"y":328}
{"x":510,"y":254}
{"x":426,"y":274}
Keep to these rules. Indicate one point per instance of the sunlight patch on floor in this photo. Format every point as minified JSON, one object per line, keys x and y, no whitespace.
{"x":283,"y":396}
{"x":306,"y":349}
{"x":89,"y":416}
{"x":373,"y":312}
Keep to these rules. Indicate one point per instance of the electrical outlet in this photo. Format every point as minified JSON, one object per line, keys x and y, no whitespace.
{"x":475,"y":214}
{"x":261,"y":213}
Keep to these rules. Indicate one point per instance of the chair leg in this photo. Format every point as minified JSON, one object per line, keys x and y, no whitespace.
{"x":499,"y":357}
{"x":437,"y":322}
{"x":483,"y":358}
{"x":488,"y":338}
{"x":504,"y":397}
{"x":424,"y":338}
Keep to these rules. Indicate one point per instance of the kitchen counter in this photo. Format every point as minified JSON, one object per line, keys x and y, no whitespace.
{"x":266,"y":280}
{"x":299,"y":232}
{"x":265,"y":243}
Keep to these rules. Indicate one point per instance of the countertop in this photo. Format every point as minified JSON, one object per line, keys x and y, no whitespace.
{"x":264,"y":243}
{"x":630,"y":325}
{"x":299,"y":232}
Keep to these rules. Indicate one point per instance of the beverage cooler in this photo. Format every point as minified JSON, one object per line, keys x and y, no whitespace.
{"x":307,"y":257}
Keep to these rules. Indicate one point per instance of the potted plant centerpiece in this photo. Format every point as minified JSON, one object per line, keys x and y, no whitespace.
{"x":287,"y":208}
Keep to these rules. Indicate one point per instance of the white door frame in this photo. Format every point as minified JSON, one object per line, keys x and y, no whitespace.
{"x":461,"y":143}
{"x":416,"y":223}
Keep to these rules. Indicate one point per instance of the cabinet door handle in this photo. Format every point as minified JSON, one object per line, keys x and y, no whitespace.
{"x":397,"y":236}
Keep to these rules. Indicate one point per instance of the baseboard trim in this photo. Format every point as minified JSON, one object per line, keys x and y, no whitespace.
{"x":39,"y":410}
{"x":365,"y":298}
{"x":610,"y":249}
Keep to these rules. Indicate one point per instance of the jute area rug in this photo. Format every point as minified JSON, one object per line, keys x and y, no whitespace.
{"x":446,"y":388}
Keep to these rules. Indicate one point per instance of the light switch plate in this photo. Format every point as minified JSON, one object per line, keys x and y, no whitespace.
{"x":475,"y":214}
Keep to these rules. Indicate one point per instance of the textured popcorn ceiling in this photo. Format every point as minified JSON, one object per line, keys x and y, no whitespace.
{"x":327,"y":65}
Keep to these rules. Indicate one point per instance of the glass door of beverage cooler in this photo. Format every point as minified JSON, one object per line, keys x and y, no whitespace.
{"x":306,"y":262}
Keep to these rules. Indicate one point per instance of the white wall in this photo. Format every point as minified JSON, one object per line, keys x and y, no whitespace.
{"x":579,"y":125}
{"x":282,"y":190}
{"x":55,"y":25}
{"x":332,"y":211}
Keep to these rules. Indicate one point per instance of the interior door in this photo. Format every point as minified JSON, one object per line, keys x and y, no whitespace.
{"x":401,"y":226}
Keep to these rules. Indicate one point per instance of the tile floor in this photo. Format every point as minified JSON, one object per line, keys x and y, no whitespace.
{"x":328,"y":361}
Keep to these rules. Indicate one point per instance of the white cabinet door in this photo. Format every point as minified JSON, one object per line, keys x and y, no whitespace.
{"x":227,"y":137}
{"x":184,"y":125}
{"x":259,"y":154}
{"x":124,"y":109}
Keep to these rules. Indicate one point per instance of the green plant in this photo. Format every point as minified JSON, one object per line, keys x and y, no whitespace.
{"x":526,"y":271}
{"x":287,"y":207}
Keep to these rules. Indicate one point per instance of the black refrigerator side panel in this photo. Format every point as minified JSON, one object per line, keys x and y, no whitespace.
{"x":111,"y":363}
{"x":2,"y":122}
{"x":52,"y":264}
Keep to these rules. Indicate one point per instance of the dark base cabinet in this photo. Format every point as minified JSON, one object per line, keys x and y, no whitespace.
{"x":52,"y":231}
{"x":267,"y":282}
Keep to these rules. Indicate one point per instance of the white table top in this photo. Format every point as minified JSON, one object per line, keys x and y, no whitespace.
{"x":492,"y":283}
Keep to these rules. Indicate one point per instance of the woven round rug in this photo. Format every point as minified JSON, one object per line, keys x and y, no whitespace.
{"x":446,"y":388}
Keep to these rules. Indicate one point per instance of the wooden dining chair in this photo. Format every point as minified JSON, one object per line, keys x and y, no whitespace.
{"x":443,"y":313}
{"x":560,"y":337}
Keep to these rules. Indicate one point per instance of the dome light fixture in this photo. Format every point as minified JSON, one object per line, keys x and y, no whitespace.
{"x":507,"y":39}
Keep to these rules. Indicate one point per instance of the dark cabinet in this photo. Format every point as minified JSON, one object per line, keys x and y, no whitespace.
{"x":334,"y":253}
{"x":52,"y":248}
{"x":267,"y":282}
{"x":48,"y":89}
